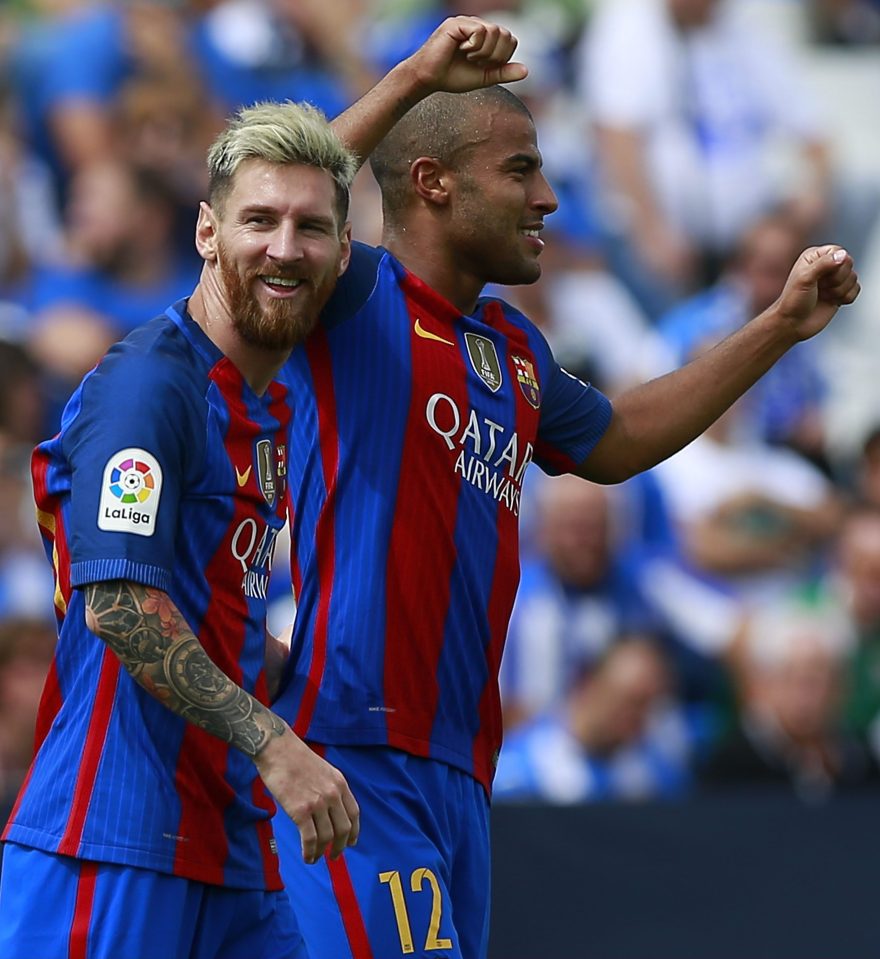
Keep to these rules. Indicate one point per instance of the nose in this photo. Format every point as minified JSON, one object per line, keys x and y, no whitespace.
{"x":544,"y":198}
{"x":284,"y":243}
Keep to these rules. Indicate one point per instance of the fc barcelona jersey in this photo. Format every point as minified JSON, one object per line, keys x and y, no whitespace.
{"x":414,"y":428}
{"x":169,"y":472}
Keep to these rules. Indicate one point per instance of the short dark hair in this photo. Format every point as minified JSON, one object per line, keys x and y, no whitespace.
{"x":438,"y":126}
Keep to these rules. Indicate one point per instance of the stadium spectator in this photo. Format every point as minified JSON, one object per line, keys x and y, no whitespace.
{"x":686,"y":101}
{"x":30,"y":230}
{"x":70,"y":68}
{"x":26,"y":647}
{"x":853,"y":582}
{"x":864,"y":479}
{"x":25,"y":581}
{"x":578,"y":594}
{"x":753,"y":519}
{"x":123,"y":265}
{"x":790,"y":671}
{"x":847,"y":22}
{"x":249,"y":51}
{"x":785,"y":406}
{"x":616,"y":735}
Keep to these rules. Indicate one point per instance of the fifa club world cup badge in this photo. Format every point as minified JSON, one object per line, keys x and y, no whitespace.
{"x":528,"y":381}
{"x":484,"y":360}
{"x":266,"y":471}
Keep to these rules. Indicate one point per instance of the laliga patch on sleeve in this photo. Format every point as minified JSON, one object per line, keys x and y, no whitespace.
{"x":130,"y":493}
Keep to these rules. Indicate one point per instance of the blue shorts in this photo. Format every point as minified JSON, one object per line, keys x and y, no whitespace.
{"x":55,"y":907}
{"x":417,"y":882}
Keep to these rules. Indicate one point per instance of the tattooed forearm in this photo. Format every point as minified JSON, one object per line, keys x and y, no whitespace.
{"x":146,"y":631}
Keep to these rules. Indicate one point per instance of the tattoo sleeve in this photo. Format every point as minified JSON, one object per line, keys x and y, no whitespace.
{"x":147,"y":632}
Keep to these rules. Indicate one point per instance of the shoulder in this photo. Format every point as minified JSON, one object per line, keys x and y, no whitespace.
{"x":154,"y":365}
{"x":356,"y":285}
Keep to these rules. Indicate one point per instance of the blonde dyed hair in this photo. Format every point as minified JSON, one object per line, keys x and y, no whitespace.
{"x":283,"y":133}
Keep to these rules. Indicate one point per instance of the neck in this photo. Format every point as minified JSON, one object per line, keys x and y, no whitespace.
{"x":258,"y":366}
{"x":422,"y":254}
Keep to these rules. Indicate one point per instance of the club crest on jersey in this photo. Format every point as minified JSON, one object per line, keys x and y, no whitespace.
{"x":130,"y":491}
{"x":528,"y":380}
{"x":484,"y":360}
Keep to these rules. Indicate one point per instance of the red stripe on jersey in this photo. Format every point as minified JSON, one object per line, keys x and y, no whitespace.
{"x":96,"y":734}
{"x":320,"y":362}
{"x":349,"y":909}
{"x":78,"y":944}
{"x":200,"y":775}
{"x":423,"y":537}
{"x":506,"y":575}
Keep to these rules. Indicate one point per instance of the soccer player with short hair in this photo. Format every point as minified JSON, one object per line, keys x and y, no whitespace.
{"x":420,"y":404}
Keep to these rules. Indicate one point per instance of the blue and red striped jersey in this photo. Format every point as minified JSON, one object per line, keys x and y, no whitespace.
{"x":414,"y":427}
{"x":168,"y":471}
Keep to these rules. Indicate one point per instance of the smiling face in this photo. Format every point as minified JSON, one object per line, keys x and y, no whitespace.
{"x":500,"y":197}
{"x":279,"y":246}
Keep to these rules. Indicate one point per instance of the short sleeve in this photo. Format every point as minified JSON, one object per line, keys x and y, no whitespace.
{"x":131,"y":438}
{"x":574,"y":416}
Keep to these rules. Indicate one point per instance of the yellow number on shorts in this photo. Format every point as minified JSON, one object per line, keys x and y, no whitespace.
{"x":401,"y":915}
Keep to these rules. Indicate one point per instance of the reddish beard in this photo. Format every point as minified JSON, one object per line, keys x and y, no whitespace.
{"x":281,"y":325}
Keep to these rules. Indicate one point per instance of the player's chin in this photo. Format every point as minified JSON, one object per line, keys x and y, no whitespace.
{"x":521,"y":273}
{"x":529,"y":273}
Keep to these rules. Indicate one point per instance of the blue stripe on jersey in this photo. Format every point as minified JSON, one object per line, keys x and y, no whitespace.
{"x":370,"y":424}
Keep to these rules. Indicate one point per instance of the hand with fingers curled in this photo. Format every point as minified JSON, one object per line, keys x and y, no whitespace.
{"x":466,"y":53}
{"x":821,"y":281}
{"x":313,"y":793}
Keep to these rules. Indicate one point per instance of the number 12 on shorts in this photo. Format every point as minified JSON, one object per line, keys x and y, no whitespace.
{"x":401,"y":914}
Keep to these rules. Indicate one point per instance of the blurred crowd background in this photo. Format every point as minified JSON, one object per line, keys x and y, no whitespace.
{"x":713,"y":624}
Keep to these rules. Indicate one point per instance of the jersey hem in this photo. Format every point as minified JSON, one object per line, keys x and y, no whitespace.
{"x":344,"y":736}
{"x":141,"y":859}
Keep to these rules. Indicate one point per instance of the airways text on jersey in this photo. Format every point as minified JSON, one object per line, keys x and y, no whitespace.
{"x":488,"y":456}
{"x":254,"y":551}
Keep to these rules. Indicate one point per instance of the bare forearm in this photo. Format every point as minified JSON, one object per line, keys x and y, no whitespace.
{"x":658,"y":418}
{"x":152,"y":640}
{"x":364,"y":124}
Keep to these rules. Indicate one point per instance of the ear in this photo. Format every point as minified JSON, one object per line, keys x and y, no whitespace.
{"x":430,"y":180}
{"x":206,"y":233}
{"x":346,"y":249}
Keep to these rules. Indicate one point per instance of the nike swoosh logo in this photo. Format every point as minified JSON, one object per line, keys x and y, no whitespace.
{"x":427,"y":335}
{"x":242,"y":477}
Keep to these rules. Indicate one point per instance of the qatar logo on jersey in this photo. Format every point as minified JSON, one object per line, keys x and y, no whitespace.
{"x":487,"y":455}
{"x":130,"y":492}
